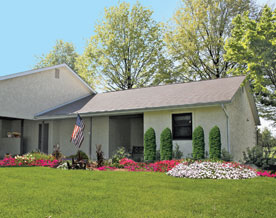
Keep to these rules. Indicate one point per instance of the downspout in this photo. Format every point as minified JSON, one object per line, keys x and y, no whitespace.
{"x":227,"y":128}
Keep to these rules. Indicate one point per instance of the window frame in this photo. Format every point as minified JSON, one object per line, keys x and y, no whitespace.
{"x":173,"y":127}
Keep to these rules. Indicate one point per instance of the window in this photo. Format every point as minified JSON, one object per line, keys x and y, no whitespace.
{"x":57,"y":73}
{"x":182,"y":126}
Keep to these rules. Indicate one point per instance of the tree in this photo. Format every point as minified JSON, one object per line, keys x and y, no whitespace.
{"x":166,"y":146}
{"x":198,"y":143}
{"x":196,"y":41}
{"x":150,"y":145}
{"x":62,"y":52}
{"x":252,"y":46}
{"x":127,"y":48}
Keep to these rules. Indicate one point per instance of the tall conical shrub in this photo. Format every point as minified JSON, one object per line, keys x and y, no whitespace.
{"x":198,"y":143}
{"x":166,"y":146}
{"x":149,"y":145}
{"x":215,"y":143}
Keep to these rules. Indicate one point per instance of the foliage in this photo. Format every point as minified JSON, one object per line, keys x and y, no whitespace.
{"x":166,"y":145}
{"x":177,"y":153}
{"x":266,"y":174}
{"x":196,"y":41}
{"x":215,"y":143}
{"x":264,"y":154}
{"x":100,"y":155}
{"x":27,"y":161}
{"x":119,"y":154}
{"x":39,"y":156}
{"x":198,"y":143}
{"x":267,"y":142}
{"x":252,"y":46}
{"x":260,"y":158}
{"x":80,"y":155}
{"x":150,"y":145}
{"x":56,"y":152}
{"x":127,"y":49}
{"x":62,"y":52}
{"x":129,"y":194}
{"x":159,"y":166}
{"x":225,"y":155}
{"x":212,"y":170}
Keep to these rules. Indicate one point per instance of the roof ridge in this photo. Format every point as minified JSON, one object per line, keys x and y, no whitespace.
{"x":171,"y":84}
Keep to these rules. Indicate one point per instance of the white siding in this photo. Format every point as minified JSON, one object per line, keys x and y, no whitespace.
{"x":23,"y":97}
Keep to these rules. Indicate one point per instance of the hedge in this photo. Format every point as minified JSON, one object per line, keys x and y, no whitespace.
{"x":198,"y":143}
{"x":166,"y":145}
{"x":149,"y":145}
{"x":215,"y":143}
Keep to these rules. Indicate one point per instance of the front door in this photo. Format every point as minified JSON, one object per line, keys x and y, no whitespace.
{"x":43,"y":135}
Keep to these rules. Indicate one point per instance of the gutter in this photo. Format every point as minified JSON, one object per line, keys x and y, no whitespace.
{"x":227,"y":128}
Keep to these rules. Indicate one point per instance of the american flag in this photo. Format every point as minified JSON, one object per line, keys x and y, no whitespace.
{"x":77,"y":135}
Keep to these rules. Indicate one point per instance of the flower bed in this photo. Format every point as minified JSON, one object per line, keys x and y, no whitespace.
{"x":27,"y":161}
{"x":213,"y":170}
{"x":266,"y":174}
{"x":159,"y":166}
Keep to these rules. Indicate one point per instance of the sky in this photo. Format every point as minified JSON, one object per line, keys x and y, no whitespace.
{"x":30,"y":28}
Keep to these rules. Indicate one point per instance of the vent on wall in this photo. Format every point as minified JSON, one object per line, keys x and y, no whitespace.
{"x":57,"y":73}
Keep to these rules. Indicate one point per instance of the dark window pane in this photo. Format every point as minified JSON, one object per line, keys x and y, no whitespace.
{"x":182,"y":131}
{"x":182,"y":126}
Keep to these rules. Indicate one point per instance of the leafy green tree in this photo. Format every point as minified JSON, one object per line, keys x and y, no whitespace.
{"x":198,"y":143}
{"x":150,"y":145}
{"x":62,"y":52}
{"x":252,"y":46}
{"x":127,"y":49}
{"x":196,"y":41}
{"x":215,"y":143}
{"x":166,"y":146}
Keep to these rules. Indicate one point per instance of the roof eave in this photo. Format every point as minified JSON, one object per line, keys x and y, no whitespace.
{"x":132,"y":111}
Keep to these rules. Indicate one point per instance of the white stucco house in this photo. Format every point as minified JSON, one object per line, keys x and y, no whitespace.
{"x":42,"y":105}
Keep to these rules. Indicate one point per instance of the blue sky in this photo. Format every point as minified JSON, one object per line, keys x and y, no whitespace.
{"x":30,"y":28}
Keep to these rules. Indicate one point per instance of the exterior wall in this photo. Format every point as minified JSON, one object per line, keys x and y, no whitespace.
{"x":27,"y":95}
{"x":100,"y":135}
{"x":242,"y":124}
{"x":206,"y":117}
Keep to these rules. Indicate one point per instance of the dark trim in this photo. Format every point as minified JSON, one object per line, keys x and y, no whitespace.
{"x":22,"y":137}
{"x":173,"y":127}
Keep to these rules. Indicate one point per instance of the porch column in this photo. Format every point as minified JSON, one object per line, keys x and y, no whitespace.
{"x":22,"y":137}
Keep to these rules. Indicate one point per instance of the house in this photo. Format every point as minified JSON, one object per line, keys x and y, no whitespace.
{"x":41,"y":106}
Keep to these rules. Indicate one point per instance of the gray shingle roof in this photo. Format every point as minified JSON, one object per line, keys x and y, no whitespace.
{"x":176,"y":95}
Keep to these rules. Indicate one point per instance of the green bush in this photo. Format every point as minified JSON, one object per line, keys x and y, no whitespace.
{"x":150,"y":145}
{"x":198,"y":143}
{"x":177,"y":154}
{"x":42,"y":156}
{"x":119,"y":154}
{"x":225,"y":155}
{"x":80,"y":155}
{"x":166,"y":145}
{"x":215,"y":143}
{"x":259,"y":157}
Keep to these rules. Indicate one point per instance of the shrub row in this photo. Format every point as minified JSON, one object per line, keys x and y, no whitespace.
{"x":199,"y":143}
{"x":166,"y":146}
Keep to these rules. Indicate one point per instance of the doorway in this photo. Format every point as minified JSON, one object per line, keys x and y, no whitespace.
{"x":43,"y":135}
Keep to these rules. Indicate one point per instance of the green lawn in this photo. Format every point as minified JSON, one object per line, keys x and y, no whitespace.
{"x":44,"y":192}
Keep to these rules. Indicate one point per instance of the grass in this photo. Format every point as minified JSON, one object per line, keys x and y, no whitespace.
{"x":44,"y":192}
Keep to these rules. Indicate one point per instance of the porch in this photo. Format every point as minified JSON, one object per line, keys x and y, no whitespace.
{"x":11,"y":136}
{"x":127,"y":131}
